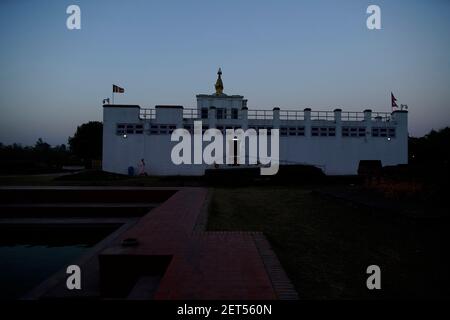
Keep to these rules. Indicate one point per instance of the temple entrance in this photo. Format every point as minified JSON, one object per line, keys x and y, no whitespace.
{"x":233,"y":152}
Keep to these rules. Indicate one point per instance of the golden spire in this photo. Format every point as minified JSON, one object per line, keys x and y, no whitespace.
{"x":219,"y":83}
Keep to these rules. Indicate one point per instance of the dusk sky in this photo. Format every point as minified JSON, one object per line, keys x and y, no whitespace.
{"x":291,"y":54}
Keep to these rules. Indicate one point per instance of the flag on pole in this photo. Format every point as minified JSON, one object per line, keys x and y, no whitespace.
{"x":117,"y":89}
{"x":393,"y":101}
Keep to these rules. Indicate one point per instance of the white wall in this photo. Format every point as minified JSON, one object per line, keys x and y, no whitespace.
{"x":335,"y":155}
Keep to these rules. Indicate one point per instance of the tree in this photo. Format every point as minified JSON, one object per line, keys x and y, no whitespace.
{"x":431,"y":149}
{"x":87,"y":141}
{"x":40,"y":145}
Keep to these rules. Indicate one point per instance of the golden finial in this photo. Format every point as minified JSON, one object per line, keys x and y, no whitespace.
{"x":219,"y":83}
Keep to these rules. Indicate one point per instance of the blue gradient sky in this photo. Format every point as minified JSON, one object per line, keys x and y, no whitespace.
{"x":292,"y":54}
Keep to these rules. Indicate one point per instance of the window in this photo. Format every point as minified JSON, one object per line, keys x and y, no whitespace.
{"x":391,"y":132}
{"x":154,"y":129}
{"x":220,"y":113}
{"x":204,"y":113}
{"x":354,"y":132}
{"x":314,"y":131}
{"x":139,"y":129}
{"x":162,"y":129}
{"x":383,"y":132}
{"x":323,"y":131}
{"x":292,"y":131}
{"x":234,"y":113}
{"x":129,"y":128}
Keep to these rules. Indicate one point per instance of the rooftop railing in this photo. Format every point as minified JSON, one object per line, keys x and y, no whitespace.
{"x":191,"y":113}
{"x":381,"y":116}
{"x":260,"y":114}
{"x":147,"y":113}
{"x":295,"y":115}
{"x":322,"y":115}
{"x":292,"y":115}
{"x":352,"y":116}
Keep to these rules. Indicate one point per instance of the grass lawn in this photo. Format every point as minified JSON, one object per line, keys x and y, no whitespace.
{"x":326,"y":245}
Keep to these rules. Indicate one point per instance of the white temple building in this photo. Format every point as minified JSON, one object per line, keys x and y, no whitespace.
{"x":334,"y":141}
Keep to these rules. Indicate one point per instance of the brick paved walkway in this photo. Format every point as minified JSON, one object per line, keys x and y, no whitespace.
{"x":195,"y":265}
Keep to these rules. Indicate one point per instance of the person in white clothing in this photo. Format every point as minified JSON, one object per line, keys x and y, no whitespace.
{"x":142,"y":168}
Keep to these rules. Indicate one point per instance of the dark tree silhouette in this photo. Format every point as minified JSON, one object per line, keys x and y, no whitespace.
{"x":40,"y":145}
{"x":87,"y":141}
{"x":42,"y":158}
{"x":431,"y":149}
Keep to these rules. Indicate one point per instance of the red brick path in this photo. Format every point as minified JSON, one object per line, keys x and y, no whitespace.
{"x":204,"y":265}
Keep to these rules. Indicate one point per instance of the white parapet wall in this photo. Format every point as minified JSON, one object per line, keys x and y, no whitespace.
{"x":334,"y":141}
